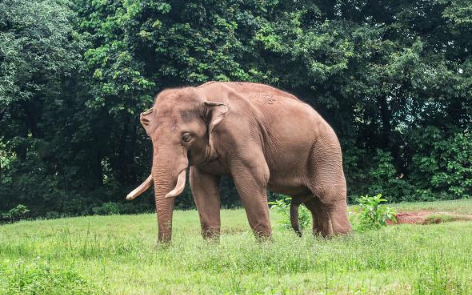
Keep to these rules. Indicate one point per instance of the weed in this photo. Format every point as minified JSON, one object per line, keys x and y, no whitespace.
{"x":374,"y":215}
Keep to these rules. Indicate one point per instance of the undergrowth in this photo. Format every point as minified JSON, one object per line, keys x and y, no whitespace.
{"x":19,"y":277}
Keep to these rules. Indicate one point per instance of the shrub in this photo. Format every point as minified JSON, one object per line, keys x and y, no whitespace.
{"x":372,"y":214}
{"x":17,"y":213}
{"x":384,"y":178}
{"x":53,"y":215}
{"x":74,"y":205}
{"x":455,"y":163}
{"x":108,"y":208}
{"x":442,"y":164}
{"x":130,"y":208}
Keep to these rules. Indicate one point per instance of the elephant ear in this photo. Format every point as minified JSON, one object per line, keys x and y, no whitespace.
{"x":215,"y":112}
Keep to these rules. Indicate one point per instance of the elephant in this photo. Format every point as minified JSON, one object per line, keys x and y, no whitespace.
{"x":262,"y":137}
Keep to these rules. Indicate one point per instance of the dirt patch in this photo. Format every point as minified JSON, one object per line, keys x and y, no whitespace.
{"x":428,"y":217}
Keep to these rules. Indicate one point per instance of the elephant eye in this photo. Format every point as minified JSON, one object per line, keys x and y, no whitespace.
{"x":186,"y":137}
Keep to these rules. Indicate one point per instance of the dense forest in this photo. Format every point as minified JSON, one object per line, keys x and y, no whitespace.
{"x":394,"y":79}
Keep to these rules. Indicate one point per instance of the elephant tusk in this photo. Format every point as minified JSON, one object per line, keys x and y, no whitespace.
{"x":140,"y":189}
{"x":179,"y":187}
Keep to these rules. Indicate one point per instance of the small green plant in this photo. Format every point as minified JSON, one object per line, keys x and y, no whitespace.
{"x":282,"y":206}
{"x":373,"y":214}
{"x":16,"y":213}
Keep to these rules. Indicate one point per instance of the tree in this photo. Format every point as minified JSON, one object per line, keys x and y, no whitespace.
{"x":392,"y":77}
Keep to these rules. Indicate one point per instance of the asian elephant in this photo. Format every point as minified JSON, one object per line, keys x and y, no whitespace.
{"x":262,"y":137}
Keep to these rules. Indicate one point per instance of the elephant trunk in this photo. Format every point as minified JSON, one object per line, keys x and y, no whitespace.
{"x":164,"y":209}
{"x":167,"y":185}
{"x":169,"y":176}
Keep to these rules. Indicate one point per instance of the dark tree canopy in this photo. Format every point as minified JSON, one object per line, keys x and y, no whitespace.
{"x":394,"y":79}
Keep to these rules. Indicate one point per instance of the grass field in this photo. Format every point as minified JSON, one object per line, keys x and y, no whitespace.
{"x":118,"y":255}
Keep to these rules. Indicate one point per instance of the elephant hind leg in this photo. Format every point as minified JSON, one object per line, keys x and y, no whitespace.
{"x":328,"y":184}
{"x":340,"y":218}
{"x":321,"y":220}
{"x":331,"y":208}
{"x":328,"y":218}
{"x":294,"y":205}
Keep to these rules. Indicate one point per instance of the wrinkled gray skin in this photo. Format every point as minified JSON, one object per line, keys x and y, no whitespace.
{"x":262,"y":137}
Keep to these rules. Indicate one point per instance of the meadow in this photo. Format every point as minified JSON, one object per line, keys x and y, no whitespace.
{"x":118,"y":255}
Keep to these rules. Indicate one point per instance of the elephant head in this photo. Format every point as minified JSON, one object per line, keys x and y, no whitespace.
{"x":180,"y":125}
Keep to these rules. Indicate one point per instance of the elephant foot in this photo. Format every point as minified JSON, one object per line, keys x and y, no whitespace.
{"x":211,"y":234}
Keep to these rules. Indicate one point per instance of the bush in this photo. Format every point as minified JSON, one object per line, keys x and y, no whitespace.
{"x":74,"y":205}
{"x":108,"y":208}
{"x":384,"y":178}
{"x":455,"y":163}
{"x":442,"y":165}
{"x":372,"y":214}
{"x":134,"y":208}
{"x":17,"y":213}
{"x":53,"y":215}
{"x":282,"y":206}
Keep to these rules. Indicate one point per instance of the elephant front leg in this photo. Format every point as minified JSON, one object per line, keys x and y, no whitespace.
{"x":251,"y":180}
{"x":205,"y":190}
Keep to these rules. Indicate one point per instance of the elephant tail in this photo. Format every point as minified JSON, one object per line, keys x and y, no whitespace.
{"x":294,"y":217}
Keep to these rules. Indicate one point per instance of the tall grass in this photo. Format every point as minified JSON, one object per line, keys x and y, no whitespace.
{"x":118,"y":255}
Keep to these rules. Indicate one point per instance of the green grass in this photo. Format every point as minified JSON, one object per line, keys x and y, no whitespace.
{"x":454,"y":206}
{"x":118,"y":255}
{"x":442,"y":217}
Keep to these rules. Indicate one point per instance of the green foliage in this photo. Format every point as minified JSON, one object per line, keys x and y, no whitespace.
{"x":53,"y":215}
{"x":108,"y":208}
{"x":282,"y":206}
{"x":394,"y":81}
{"x":372,"y":214}
{"x":39,"y":277}
{"x":17,"y":213}
{"x":455,"y":166}
{"x":446,"y":167}
{"x":385,"y":179}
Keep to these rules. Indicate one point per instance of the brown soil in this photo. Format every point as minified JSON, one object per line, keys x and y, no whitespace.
{"x":428,"y":217}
